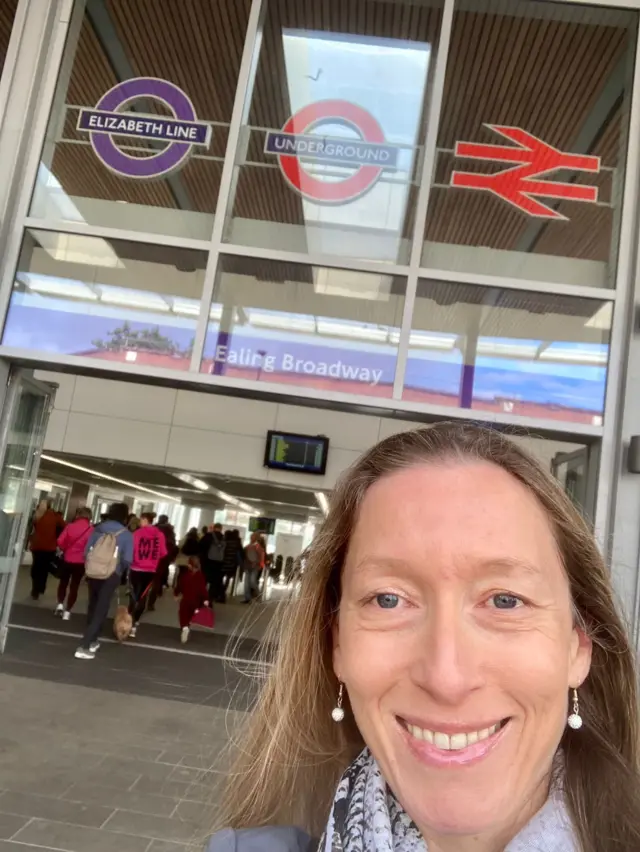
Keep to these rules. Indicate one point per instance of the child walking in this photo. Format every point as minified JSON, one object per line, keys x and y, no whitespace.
{"x":192,"y":589}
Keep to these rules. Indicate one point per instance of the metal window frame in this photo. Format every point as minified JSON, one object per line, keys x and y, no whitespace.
{"x":241,"y":107}
{"x":11,"y":59}
{"x":55,"y":51}
{"x":217,"y":249}
{"x":610,"y":451}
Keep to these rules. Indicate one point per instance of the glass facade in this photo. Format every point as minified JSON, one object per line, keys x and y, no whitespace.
{"x":412,"y":204}
{"x":551,"y":84}
{"x":178,"y":60}
{"x":318,"y":327}
{"x":343,"y":73}
{"x":490,"y":349}
{"x":111,"y":300}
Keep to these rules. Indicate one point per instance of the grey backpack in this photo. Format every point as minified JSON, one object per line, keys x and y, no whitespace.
{"x":216,"y":550}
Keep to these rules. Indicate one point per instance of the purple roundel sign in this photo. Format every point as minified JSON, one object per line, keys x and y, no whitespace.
{"x":182,"y":132}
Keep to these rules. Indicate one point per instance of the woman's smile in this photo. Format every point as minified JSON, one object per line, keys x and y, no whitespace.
{"x":444,"y":745}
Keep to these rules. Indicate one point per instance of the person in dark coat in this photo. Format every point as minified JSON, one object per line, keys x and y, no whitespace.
{"x":162,"y":573}
{"x":212,"y":561}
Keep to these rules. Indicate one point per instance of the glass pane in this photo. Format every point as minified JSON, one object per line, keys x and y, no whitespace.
{"x":112,"y":300}
{"x":172,"y":70}
{"x":25,"y":437}
{"x":331,"y":151}
{"x":7,"y":15}
{"x":325,"y":329}
{"x":531,"y":145}
{"x":511,"y":351}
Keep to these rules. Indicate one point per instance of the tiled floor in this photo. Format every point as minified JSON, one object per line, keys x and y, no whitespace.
{"x":124,"y":753}
{"x":89,"y":770}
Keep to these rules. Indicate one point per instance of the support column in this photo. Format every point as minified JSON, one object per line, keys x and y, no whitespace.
{"x":77,"y":499}
{"x":625,"y":517}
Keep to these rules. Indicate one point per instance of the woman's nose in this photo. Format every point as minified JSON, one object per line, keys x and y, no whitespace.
{"x":447,"y":658}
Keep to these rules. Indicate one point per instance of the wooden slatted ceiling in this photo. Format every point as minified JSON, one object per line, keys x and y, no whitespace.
{"x":76,"y":166}
{"x":542,"y":75}
{"x":7,"y":15}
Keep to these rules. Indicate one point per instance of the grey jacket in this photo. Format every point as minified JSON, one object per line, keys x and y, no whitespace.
{"x":549,"y":831}
{"x":272,"y":839}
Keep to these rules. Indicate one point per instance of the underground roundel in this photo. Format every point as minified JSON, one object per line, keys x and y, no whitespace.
{"x":300,"y":145}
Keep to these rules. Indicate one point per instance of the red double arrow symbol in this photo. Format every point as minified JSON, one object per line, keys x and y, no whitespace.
{"x":533,"y":158}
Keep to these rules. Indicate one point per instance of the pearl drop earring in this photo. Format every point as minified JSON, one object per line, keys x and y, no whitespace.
{"x":575,"y":719}
{"x":337,"y":714}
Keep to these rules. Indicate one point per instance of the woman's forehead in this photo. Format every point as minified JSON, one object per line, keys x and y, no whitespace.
{"x":453,"y":509}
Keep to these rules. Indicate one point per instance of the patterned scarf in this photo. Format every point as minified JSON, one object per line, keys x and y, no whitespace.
{"x":366,"y":817}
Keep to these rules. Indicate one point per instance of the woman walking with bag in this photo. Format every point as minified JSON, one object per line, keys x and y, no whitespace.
{"x":72,"y":542}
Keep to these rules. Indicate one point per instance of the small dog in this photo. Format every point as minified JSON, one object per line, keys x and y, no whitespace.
{"x":122,"y":624}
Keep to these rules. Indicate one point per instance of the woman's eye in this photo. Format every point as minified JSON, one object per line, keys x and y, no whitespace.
{"x":505,"y":601}
{"x":387,"y":601}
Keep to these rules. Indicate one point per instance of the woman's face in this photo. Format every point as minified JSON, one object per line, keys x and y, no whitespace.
{"x":456,"y":644}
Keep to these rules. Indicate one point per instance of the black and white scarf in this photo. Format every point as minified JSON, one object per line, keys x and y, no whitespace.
{"x":366,"y":817}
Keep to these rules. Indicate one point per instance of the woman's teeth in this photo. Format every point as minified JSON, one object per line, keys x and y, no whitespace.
{"x":452,"y":742}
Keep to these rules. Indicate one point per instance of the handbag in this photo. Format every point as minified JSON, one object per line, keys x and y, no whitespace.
{"x":56,"y":566}
{"x":204,"y":617}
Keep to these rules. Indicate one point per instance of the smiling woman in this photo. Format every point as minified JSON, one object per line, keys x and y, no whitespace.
{"x":457,"y":604}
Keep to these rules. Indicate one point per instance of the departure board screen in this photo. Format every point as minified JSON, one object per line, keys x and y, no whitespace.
{"x":302,"y":453}
{"x":262,"y":525}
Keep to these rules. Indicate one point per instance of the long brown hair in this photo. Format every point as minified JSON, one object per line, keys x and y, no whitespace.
{"x":292,"y":754}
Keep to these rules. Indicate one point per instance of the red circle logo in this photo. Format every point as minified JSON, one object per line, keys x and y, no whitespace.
{"x":336,"y":191}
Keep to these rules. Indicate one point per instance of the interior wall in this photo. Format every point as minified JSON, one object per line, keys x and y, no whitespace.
{"x":194,"y":431}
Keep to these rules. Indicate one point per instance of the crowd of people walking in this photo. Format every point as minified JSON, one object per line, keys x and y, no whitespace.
{"x":135,"y":553}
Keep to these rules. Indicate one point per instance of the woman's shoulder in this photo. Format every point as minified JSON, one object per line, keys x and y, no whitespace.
{"x":267,"y":839}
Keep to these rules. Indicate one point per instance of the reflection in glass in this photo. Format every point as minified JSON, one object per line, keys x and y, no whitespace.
{"x":350,"y":73}
{"x":561,"y":74}
{"x":509,"y":351}
{"x":111,"y":300}
{"x":118,"y":41}
{"x":25,"y":436}
{"x":325,"y":329}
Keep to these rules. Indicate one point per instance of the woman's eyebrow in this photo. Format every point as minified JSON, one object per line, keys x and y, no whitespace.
{"x":377,"y":563}
{"x":508,"y":565}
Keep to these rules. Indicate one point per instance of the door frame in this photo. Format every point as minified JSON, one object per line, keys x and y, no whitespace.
{"x":19,"y":380}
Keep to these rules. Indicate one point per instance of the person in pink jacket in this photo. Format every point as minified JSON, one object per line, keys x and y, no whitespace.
{"x":149,"y":547}
{"x":72,"y":541}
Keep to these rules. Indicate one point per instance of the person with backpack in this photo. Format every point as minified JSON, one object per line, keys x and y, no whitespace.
{"x":254,"y":556}
{"x":212,"y":561}
{"x":149,"y":549}
{"x":72,"y":542}
{"x":108,"y":556}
